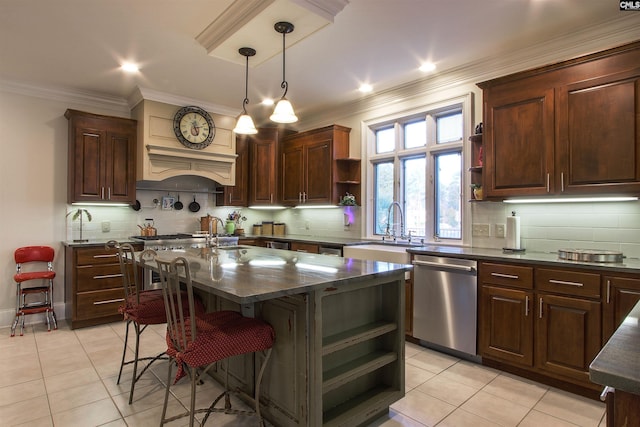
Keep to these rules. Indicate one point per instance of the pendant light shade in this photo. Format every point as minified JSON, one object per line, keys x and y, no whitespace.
{"x":244,"y":125}
{"x":283,"y":112}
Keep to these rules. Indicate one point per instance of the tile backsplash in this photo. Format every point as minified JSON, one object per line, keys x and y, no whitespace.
{"x":549,"y":227}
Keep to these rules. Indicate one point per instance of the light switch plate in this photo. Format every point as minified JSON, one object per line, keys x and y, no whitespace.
{"x":106,"y":226}
{"x":500,"y":230}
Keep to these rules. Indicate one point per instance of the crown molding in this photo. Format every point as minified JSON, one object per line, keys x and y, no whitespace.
{"x":142,"y":93}
{"x":328,"y":9}
{"x":67,"y":95}
{"x":595,"y":38}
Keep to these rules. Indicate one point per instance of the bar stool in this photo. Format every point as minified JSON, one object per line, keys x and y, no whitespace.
{"x":141,"y":308}
{"x":36,"y":255}
{"x":197,"y":343}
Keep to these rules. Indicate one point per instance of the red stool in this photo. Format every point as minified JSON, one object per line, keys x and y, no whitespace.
{"x":36,"y":255}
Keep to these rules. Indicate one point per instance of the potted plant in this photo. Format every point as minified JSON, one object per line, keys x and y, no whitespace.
{"x":78,"y":214}
{"x":234,"y":223}
{"x":477,"y":191}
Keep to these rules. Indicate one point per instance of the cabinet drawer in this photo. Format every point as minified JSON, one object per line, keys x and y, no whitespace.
{"x":305,"y":247}
{"x":567,"y":282}
{"x":95,"y":278}
{"x":98,"y":303}
{"x":515,"y":276}
{"x":93,"y":256}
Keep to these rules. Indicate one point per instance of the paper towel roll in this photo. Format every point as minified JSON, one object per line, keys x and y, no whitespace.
{"x":513,"y":232}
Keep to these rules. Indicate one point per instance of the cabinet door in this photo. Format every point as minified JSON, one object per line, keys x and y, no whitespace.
{"x":292,"y":178}
{"x":305,"y":247}
{"x":88,"y":166}
{"x":120,"y":166}
{"x":263,"y":177}
{"x":621,"y":295}
{"x":318,"y":167}
{"x":568,"y":335}
{"x":519,"y":149}
{"x":506,"y":325}
{"x":599,"y":135}
{"x":238,"y":195}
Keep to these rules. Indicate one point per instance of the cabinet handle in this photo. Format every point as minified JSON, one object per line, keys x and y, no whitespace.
{"x":304,"y":196}
{"x":299,"y":196}
{"x":106,"y":256}
{"x":107,"y":276}
{"x":271,"y":198}
{"x":541,"y":307}
{"x":562,"y":182}
{"x":608,"y":291}
{"x":109,"y":301}
{"x":548,"y":182}
{"x":606,"y":390}
{"x":562,"y":282}
{"x":526,"y":306}
{"x":230,"y":192}
{"x":301,"y":250}
{"x":109,"y":193}
{"x":505,"y":276}
{"x":102,"y":193}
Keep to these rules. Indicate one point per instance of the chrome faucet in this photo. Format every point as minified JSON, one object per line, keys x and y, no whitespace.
{"x":401,"y":220}
{"x":210,"y":236}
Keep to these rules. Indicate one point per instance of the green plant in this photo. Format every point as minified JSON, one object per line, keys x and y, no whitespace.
{"x":476,"y":186}
{"x":78,"y":214}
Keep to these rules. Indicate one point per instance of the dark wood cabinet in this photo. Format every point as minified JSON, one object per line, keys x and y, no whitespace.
{"x":264,"y":148}
{"x":102,"y":158}
{"x":544,"y":321}
{"x":316,"y":169}
{"x":93,"y":285}
{"x":621,"y":294}
{"x":237,"y":195}
{"x":311,"y":248}
{"x":565,"y":129}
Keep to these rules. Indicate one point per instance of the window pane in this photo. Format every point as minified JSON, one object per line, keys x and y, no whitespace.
{"x":415,"y":134}
{"x":414,"y":171}
{"x":383,"y":188}
{"x":385,"y":140}
{"x":449,"y":128}
{"x":448,"y":196}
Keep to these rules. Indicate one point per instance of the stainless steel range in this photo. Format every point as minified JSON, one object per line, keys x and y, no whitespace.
{"x":164,"y":242}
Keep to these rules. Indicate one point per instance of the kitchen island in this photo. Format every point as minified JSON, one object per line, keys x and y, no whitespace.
{"x":338,"y":359}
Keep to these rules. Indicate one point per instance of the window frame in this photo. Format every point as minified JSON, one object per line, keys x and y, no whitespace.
{"x":397,"y":120}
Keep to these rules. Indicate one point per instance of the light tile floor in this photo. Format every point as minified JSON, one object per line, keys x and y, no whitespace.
{"x":68,"y":378}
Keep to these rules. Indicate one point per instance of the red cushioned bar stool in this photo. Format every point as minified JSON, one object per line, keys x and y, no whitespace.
{"x":27,"y":258}
{"x":196,"y":344}
{"x":140,"y":309}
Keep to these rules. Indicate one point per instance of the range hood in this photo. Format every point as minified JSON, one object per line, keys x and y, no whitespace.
{"x":161,"y":156}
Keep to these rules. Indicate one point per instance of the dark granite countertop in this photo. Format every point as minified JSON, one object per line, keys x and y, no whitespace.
{"x":247,"y":274}
{"x":618,"y":363}
{"x":98,"y":242}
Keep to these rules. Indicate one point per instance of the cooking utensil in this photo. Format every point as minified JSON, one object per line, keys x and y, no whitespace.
{"x":136,"y":206}
{"x":178,"y":205}
{"x":590,"y":255}
{"x":194,"y":206}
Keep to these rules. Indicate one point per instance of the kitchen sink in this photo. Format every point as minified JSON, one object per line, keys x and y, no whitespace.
{"x":377,"y":252}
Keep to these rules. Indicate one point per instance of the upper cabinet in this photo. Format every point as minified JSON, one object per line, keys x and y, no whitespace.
{"x":263,"y":160}
{"x":237,"y":195}
{"x":315,"y":167}
{"x":566,"y":129}
{"x":102,"y":158}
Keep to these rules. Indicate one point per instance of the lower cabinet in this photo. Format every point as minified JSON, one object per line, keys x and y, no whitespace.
{"x":93,"y":285}
{"x":550,"y":326}
{"x":620,"y":295}
{"x":305,"y":247}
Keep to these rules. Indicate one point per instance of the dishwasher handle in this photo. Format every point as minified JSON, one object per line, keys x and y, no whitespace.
{"x":441,"y":266}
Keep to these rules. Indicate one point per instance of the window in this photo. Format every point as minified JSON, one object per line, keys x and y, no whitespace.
{"x":416,"y":166}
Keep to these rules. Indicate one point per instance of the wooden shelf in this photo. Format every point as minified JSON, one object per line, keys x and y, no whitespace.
{"x":350,"y":371}
{"x":357,"y":408}
{"x":348,"y":338}
{"x":475,"y":168}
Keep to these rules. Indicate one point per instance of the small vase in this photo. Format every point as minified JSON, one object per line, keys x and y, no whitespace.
{"x":477,"y":193}
{"x":230,"y":227}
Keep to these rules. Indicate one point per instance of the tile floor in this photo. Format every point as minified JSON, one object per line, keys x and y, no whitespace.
{"x":68,"y":378}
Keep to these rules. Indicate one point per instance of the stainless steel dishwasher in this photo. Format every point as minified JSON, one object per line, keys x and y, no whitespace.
{"x":445,"y":302}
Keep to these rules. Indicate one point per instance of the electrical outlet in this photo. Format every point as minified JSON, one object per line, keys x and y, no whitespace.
{"x":480,"y":230}
{"x":500,"y":230}
{"x":106,"y":226}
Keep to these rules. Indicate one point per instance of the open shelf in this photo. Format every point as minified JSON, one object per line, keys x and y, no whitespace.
{"x":360,"y":407}
{"x":354,"y":336}
{"x":356,"y":368}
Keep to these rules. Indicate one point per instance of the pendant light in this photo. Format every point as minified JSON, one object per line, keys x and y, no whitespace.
{"x":244,"y":125}
{"x":283,"y":113}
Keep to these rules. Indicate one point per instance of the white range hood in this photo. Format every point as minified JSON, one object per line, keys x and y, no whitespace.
{"x":162,"y":156}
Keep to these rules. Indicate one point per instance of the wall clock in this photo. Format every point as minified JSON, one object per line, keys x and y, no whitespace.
{"x":194,"y":127}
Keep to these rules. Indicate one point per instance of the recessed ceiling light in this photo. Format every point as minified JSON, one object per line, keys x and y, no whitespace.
{"x":129,"y":67}
{"x":365,"y":88}
{"x":427,"y":66}
{"x":267,"y":101}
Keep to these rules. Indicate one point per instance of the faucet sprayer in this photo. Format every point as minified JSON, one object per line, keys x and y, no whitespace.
{"x":210,"y":236}
{"x":401,"y":219}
